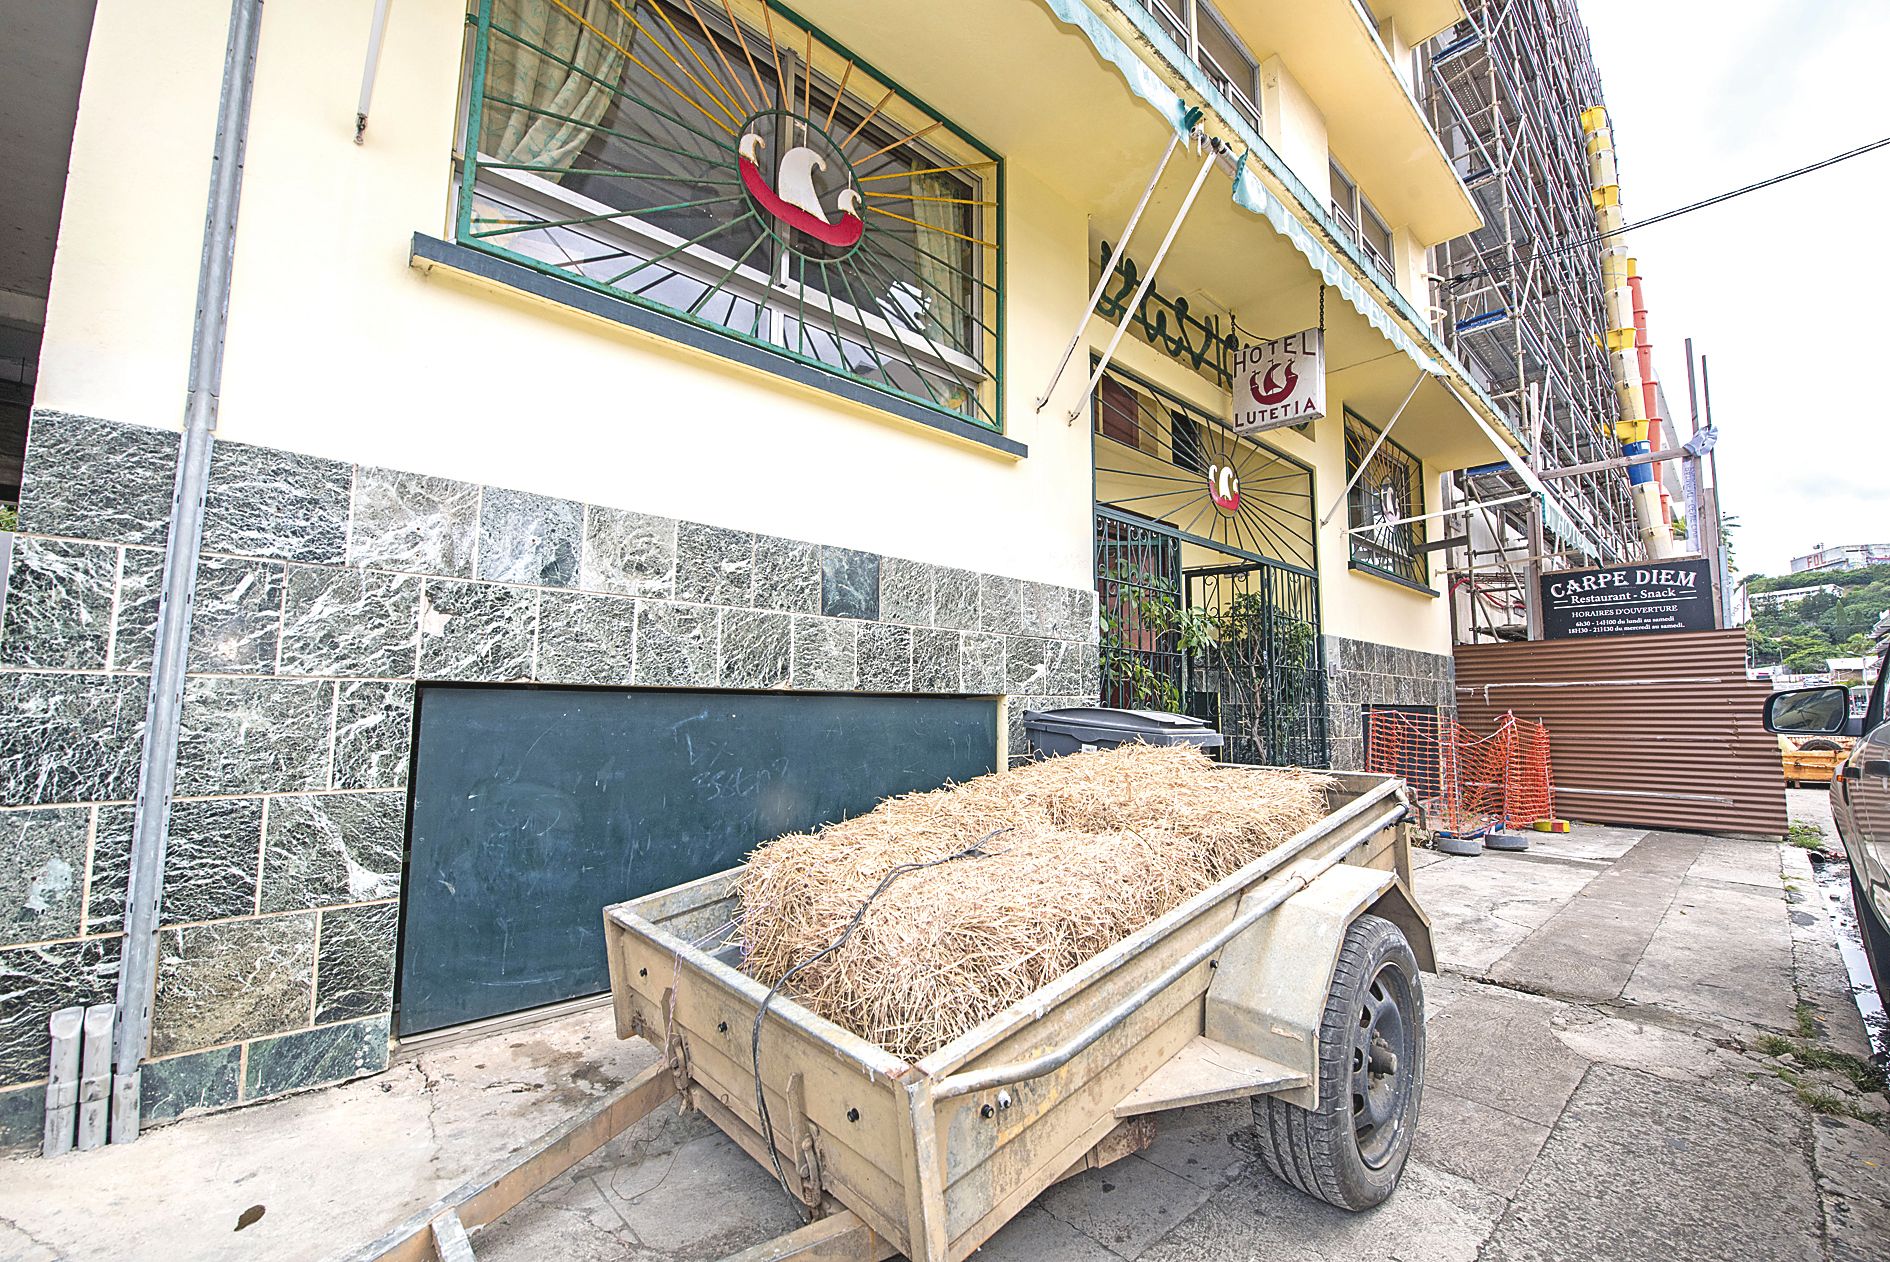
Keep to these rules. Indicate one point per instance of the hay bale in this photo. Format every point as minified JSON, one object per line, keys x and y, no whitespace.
{"x":1096,"y":846}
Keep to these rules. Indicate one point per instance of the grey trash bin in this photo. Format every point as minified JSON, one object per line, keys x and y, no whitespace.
{"x":1079,"y":728}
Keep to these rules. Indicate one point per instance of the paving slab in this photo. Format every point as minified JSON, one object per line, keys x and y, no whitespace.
{"x":1501,"y":1049}
{"x":328,"y":1167}
{"x":1475,"y":1141}
{"x":1434,"y":1216}
{"x":1722,"y":951}
{"x":1595,"y":842}
{"x":1640,"y":1167}
{"x":1736,"y":862}
{"x":1853,"y":1161}
{"x":1204,"y":1144}
{"x":1124,"y":1207}
{"x":1481,"y":908}
{"x":1590,"y":948}
{"x":1827,"y":983}
{"x":1036,"y":1235}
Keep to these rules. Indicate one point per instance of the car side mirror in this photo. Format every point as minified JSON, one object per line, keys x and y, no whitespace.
{"x":1809,"y":712}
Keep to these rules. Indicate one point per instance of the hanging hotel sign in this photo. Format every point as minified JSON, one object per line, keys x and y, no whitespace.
{"x":1628,"y":600}
{"x":1280,"y":383}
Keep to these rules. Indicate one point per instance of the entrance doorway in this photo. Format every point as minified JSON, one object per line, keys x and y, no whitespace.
{"x":1205,"y":575}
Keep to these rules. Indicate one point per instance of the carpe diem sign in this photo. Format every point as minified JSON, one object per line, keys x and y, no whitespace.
{"x":1628,"y":600}
{"x":1280,"y":383}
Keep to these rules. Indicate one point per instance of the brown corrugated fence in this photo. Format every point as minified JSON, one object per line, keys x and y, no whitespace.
{"x":1658,"y":731}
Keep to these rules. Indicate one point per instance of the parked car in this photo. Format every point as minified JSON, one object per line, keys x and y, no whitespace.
{"x":1860,"y":793}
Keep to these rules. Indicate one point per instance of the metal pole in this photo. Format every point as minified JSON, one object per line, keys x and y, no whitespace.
{"x":157,"y":766}
{"x":1722,"y":577}
{"x":1109,"y":270}
{"x":1532,"y":568}
{"x":377,"y":30}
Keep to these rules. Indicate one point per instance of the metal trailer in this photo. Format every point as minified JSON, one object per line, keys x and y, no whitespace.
{"x":1293,"y":981}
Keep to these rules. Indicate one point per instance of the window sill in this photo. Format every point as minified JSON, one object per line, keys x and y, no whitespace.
{"x":429,"y":252}
{"x":1372,"y":571}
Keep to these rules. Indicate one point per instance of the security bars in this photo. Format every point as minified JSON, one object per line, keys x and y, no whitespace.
{"x":730,"y":165}
{"x":1389,"y":491}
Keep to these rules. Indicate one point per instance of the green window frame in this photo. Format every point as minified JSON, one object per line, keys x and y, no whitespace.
{"x":728,"y":164}
{"x":1390,"y":489}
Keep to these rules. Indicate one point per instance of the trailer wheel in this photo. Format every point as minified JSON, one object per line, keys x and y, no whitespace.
{"x":1350,"y":1151}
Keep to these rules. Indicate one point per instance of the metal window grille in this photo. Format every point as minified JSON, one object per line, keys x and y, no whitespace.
{"x":1157,"y":457}
{"x":732,"y":166}
{"x":1390,"y":490}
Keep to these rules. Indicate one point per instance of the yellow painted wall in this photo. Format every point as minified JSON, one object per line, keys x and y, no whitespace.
{"x":1293,"y":125}
{"x":124,"y":284}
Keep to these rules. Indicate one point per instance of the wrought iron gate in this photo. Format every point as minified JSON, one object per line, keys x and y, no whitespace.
{"x":1235,"y":642}
{"x":1257,"y":675}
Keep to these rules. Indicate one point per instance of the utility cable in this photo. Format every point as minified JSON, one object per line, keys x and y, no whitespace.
{"x":1702,"y":204}
{"x":975,"y":850}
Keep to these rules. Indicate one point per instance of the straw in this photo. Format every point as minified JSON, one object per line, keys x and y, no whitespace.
{"x":1095,"y":846}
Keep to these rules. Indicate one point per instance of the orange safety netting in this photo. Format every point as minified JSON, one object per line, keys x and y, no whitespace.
{"x":1466,"y":785}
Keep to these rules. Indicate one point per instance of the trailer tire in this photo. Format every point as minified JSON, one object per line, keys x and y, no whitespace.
{"x":1351,"y":1150}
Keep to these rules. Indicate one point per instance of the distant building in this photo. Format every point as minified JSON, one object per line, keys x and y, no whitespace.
{"x":1843,"y":556}
{"x":1790,"y":595}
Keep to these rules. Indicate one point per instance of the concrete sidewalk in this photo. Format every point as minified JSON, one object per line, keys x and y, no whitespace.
{"x":1626,"y":1045}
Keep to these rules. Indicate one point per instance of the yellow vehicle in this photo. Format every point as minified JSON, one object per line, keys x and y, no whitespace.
{"x":1812,"y":761}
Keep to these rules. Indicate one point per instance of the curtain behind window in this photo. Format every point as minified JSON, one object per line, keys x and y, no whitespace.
{"x":548,"y":102}
{"x":943,"y":261}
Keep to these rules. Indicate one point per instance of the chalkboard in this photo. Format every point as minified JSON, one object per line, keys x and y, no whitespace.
{"x":534,"y":808}
{"x":1628,"y":600}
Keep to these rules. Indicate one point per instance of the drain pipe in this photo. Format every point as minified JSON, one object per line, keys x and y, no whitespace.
{"x":157,"y":766}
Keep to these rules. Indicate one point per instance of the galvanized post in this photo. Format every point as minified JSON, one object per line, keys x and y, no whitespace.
{"x":157,"y":767}
{"x":95,"y":1075}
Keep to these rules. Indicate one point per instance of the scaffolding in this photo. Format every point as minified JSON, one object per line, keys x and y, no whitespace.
{"x":1520,"y":300}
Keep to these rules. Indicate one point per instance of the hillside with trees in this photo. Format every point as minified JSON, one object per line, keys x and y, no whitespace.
{"x":1802,"y":635}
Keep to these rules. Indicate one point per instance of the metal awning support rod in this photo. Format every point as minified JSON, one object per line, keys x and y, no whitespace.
{"x":1463,"y":508}
{"x":1383,"y":434}
{"x":377,"y":31}
{"x":1148,"y":279}
{"x":157,"y":765}
{"x":1108,"y":272}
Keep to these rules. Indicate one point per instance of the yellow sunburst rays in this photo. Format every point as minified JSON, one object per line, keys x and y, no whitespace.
{"x":989,"y":245}
{"x":577,"y":17}
{"x":706,"y":69}
{"x":807,"y":74}
{"x":858,"y":127}
{"x":902,"y":175}
{"x":782,"y":96}
{"x":720,"y":56}
{"x":742,"y":40}
{"x":908,"y":138}
{"x":922,"y":197}
{"x":839,"y":92}
{"x":724,"y":106}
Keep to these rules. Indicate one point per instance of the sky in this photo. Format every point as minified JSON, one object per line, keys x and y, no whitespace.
{"x":1784,"y":290}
